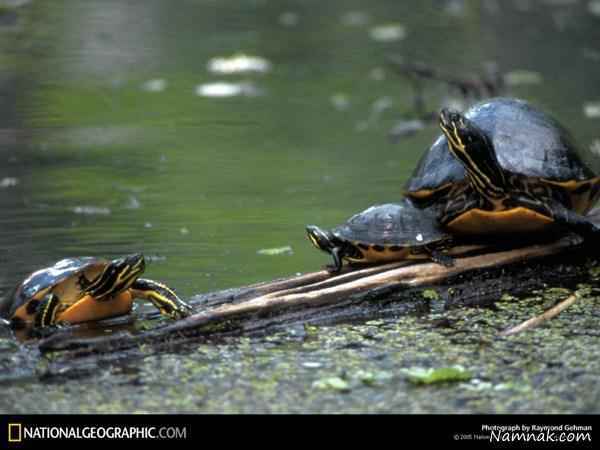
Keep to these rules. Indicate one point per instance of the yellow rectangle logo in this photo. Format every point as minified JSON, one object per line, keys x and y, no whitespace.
{"x":14,"y":432}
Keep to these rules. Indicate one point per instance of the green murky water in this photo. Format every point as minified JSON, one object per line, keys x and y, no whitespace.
{"x":117,"y":137}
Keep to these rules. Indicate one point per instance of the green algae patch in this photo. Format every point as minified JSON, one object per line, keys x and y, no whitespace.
{"x":332,"y":383}
{"x":430,"y":294}
{"x":420,"y":375}
{"x":595,"y":273}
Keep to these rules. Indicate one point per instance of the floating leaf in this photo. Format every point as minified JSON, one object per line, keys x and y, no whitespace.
{"x":289,"y":19}
{"x":388,"y":32}
{"x":355,"y":19}
{"x":405,"y":128}
{"x":312,"y":365}
{"x":156,"y":85}
{"x":91,"y":210}
{"x":8,"y":182}
{"x":594,"y":7}
{"x":340,"y":101}
{"x":334,"y":383}
{"x":420,"y":375}
{"x":592,"y":110}
{"x":225,"y":89}
{"x":521,"y":77}
{"x":287,"y":250}
{"x":238,"y":64}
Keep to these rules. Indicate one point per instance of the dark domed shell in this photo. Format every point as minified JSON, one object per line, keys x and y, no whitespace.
{"x":44,"y":279}
{"x":526,"y":141}
{"x":392,"y":224}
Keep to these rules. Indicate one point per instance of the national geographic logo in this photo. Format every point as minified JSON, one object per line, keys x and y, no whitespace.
{"x":19,"y":433}
{"x":15,"y":432}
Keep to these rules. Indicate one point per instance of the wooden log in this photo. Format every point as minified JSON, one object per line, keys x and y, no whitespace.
{"x":321,"y":297}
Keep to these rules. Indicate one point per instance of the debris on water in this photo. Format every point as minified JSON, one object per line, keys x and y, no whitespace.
{"x":491,"y":7}
{"x":592,"y":110}
{"x":289,"y":19}
{"x":379,"y":106}
{"x":155,"y":258}
{"x":455,"y":8}
{"x":371,"y":378}
{"x":361,"y":126}
{"x":225,"y":89}
{"x":132,"y":203}
{"x":594,"y":7}
{"x":237,"y":64}
{"x":156,"y":85}
{"x":312,"y":365}
{"x":421,"y":375}
{"x":377,"y":74}
{"x":14,"y":3}
{"x":405,"y":128}
{"x":355,"y":19}
{"x":340,"y":101}
{"x":591,"y":54}
{"x":8,"y":182}
{"x":366,"y":377}
{"x":184,"y":231}
{"x":287,"y":250}
{"x":388,"y":33}
{"x":522,"y":77}
{"x":91,"y":210}
{"x":333,"y":383}
{"x":148,"y":225}
{"x":455,"y":103}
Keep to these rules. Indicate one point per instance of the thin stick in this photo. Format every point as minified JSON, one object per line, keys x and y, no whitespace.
{"x":547,"y":315}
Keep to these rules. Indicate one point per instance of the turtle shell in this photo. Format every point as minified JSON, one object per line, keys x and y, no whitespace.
{"x":392,"y":224}
{"x":526,"y":141}
{"x":62,"y":276}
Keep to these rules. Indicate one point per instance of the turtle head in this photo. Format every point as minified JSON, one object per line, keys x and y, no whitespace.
{"x":117,"y":276}
{"x":475,"y":151}
{"x":321,"y":239}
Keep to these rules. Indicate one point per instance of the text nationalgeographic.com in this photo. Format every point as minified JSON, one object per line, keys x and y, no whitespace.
{"x":18,"y":432}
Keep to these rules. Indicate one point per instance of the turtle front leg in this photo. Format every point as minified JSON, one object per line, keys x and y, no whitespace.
{"x":579,"y":224}
{"x":336,"y":254}
{"x":162,"y":297}
{"x":441,"y":258}
{"x":564,"y":217}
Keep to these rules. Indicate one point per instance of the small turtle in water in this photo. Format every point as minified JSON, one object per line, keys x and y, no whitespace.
{"x":384,"y":233}
{"x":503,"y":167}
{"x":85,"y":289}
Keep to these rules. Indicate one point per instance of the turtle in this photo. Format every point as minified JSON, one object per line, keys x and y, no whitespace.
{"x":82,"y":289}
{"x":498,"y":141}
{"x":384,"y":233}
{"x":499,"y":200}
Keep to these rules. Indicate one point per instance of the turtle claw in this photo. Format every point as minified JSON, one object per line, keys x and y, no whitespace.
{"x":443,"y":259}
{"x":49,"y":330}
{"x":332,"y":269}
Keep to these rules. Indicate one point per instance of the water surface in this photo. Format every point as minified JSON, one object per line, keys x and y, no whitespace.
{"x":108,"y":149}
